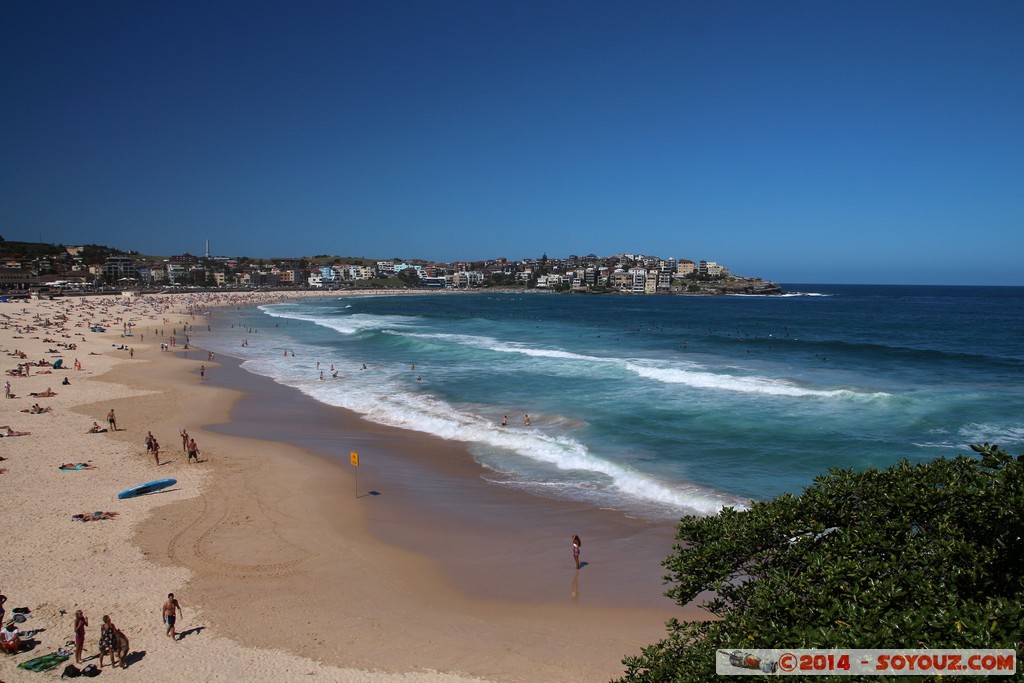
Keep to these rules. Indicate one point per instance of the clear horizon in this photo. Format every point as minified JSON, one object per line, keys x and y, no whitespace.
{"x":857,"y":143}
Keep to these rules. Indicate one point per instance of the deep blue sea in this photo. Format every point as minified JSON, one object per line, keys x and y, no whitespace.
{"x":662,"y":405}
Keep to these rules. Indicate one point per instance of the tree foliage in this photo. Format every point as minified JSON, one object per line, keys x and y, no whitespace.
{"x":925,"y":555}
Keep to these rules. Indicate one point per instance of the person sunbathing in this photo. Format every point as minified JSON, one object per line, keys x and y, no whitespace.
{"x":11,"y":432}
{"x":91,"y":516}
{"x":96,"y":429}
{"x":46,"y":394}
{"x":69,"y":466}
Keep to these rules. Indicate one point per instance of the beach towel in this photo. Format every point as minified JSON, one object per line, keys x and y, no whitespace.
{"x":44,"y":663}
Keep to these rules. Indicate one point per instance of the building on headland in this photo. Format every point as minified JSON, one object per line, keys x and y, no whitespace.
{"x":90,"y":267}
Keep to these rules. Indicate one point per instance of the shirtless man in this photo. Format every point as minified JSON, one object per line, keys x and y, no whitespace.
{"x":168,"y":612}
{"x":112,"y":420}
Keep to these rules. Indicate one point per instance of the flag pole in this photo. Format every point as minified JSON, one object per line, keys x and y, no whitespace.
{"x":354,"y":458}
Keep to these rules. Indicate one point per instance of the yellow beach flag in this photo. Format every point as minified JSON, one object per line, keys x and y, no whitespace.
{"x":355,"y":458}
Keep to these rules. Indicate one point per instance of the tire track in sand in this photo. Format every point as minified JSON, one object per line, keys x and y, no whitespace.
{"x":232,"y":515}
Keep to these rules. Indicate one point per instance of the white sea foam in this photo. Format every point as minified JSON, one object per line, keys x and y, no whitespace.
{"x":344,"y":324}
{"x":698,"y":377}
{"x":389,"y":405}
{"x":789,"y":295}
{"x":974,"y":433}
{"x":690,"y":374}
{"x":498,"y":346}
{"x":427,"y":414}
{"x":1006,"y":436}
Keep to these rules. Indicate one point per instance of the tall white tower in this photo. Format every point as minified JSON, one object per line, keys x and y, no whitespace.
{"x":207,"y":248}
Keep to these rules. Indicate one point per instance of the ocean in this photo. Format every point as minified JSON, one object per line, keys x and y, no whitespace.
{"x":660,"y":406}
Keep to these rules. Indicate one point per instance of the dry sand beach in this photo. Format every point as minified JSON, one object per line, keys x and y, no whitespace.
{"x":281,"y":570}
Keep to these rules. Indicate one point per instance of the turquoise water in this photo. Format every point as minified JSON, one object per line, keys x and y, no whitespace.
{"x":663,"y":405}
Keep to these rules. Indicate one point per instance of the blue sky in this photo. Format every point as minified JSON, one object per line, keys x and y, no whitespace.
{"x":821,"y":141}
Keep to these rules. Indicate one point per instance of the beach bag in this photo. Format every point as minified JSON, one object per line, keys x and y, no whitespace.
{"x":71,"y":671}
{"x":90,"y":671}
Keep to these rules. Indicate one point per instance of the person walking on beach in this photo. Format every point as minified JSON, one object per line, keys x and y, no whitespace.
{"x":81,"y":621}
{"x":193,"y":451}
{"x":168,"y":611}
{"x":184,"y":441}
{"x":156,"y":451}
{"x":576,"y":549}
{"x":112,"y":420}
{"x":202,"y":372}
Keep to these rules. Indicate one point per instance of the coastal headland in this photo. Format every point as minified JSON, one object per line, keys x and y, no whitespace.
{"x":285,"y":563}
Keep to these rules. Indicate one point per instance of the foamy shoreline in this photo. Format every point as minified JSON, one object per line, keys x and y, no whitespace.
{"x":248,"y":558}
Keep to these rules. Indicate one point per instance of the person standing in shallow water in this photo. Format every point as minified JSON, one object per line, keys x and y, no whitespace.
{"x":576,"y":549}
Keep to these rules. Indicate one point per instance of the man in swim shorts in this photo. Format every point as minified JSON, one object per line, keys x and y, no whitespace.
{"x":168,"y":611}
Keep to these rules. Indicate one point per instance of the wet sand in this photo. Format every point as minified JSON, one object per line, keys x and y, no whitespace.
{"x":428,"y":495}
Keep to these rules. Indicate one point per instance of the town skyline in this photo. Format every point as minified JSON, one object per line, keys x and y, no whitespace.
{"x":844,"y":142}
{"x":77,"y":268}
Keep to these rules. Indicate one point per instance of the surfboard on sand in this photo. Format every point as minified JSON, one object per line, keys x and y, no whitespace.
{"x":148,"y":487}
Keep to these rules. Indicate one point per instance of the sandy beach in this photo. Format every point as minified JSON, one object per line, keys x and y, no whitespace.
{"x":285,"y":566}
